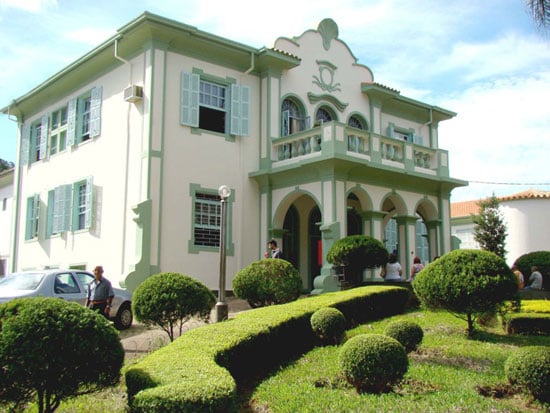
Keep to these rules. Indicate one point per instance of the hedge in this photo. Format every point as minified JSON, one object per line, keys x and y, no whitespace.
{"x":198,"y":372}
{"x":527,"y":323}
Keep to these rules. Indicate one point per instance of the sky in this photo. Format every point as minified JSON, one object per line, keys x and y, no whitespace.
{"x":484,"y":60}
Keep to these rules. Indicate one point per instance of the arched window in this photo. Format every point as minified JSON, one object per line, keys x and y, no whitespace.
{"x":293,"y":119}
{"x":356,"y":122}
{"x":323,"y":115}
{"x":356,"y":143}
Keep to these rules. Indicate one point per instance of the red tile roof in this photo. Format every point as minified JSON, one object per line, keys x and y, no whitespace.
{"x":464,"y":208}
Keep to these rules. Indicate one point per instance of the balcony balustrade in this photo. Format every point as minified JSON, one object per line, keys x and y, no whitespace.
{"x":333,"y":138}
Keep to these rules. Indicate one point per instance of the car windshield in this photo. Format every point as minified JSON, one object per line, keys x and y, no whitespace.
{"x":21,"y":281}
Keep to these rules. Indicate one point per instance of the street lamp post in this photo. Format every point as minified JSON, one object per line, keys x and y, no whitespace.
{"x":221,"y":306}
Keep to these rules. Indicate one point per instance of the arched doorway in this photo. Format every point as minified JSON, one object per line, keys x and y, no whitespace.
{"x":291,"y":236}
{"x":354,"y":223}
{"x":422,"y":244}
{"x":315,"y":246}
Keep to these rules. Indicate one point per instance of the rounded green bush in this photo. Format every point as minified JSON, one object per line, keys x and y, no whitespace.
{"x":466,"y":282}
{"x":539,"y":258}
{"x":170,"y":299}
{"x":268,"y":281}
{"x":51,"y":350}
{"x":530,"y":367}
{"x":329,"y":324}
{"x":373,"y":362}
{"x":357,"y":253}
{"x":407,"y":332}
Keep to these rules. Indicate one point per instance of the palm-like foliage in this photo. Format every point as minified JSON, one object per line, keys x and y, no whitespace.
{"x":540,"y":9}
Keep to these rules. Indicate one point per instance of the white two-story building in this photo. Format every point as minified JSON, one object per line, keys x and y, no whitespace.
{"x":6,"y":219}
{"x":121,"y":155}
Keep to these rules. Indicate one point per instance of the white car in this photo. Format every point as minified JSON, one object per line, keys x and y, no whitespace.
{"x":70,"y":285}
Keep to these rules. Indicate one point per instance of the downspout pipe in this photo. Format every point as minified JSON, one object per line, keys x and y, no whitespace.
{"x":126,"y":167}
{"x":251,"y":68}
{"x":16,"y":212}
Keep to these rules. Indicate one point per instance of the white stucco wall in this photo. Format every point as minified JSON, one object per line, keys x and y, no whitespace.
{"x":528,"y":226}
{"x":6,"y":202}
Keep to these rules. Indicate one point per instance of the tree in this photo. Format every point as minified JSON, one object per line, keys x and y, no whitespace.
{"x":169,"y":300}
{"x":52,"y":349}
{"x":4,"y":165}
{"x":268,"y":281}
{"x":357,"y":253}
{"x":540,"y":10}
{"x":467,"y":283}
{"x":490,"y":229}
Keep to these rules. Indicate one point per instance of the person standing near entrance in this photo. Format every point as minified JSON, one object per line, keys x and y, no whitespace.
{"x":273,"y":250}
{"x":100,"y":293}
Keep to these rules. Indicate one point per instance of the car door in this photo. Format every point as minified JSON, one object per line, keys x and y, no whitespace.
{"x":68,"y":287}
{"x":84,"y":279}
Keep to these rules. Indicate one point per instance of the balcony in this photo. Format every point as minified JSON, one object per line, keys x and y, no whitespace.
{"x":336,"y":140}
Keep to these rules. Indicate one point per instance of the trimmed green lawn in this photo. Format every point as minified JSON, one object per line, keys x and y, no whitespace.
{"x":448,"y":373}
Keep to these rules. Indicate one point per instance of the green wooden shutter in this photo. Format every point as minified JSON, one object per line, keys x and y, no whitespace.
{"x":25,"y":142}
{"x":71,"y":122}
{"x":33,"y":212}
{"x":245,"y":111}
{"x":418,"y":139}
{"x":49,"y":213}
{"x":62,"y":208}
{"x":391,"y":128}
{"x":89,"y":203}
{"x":235,"y":110}
{"x":285,"y":123}
{"x":43,"y":138}
{"x":240,"y":110}
{"x":28,"y":220}
{"x":95,"y":112}
{"x":189,"y":110}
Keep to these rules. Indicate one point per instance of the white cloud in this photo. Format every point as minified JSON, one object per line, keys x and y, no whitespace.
{"x":33,"y":6}
{"x":90,"y":36}
{"x":501,"y":135}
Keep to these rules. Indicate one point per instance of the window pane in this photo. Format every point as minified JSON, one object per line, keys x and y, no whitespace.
{"x":207,"y":220}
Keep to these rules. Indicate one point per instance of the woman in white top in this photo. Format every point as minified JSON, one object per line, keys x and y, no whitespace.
{"x":392,"y":271}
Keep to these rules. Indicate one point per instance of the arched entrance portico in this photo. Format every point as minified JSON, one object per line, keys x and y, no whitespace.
{"x":297,"y":223}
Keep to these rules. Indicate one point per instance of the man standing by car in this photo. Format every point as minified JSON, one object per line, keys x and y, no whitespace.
{"x":100,"y":293}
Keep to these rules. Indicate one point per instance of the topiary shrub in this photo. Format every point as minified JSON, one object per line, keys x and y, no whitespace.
{"x":268,"y":281}
{"x":169,"y":299}
{"x":408,"y":333}
{"x":539,"y":258}
{"x":51,"y":350}
{"x":357,"y":253}
{"x":530,"y":367}
{"x":373,"y":362}
{"x":329,"y":325}
{"x":467,"y":283}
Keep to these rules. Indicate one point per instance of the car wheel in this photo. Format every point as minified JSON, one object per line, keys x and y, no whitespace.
{"x":124,"y":317}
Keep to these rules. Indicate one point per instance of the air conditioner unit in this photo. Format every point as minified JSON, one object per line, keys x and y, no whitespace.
{"x":133,"y":94}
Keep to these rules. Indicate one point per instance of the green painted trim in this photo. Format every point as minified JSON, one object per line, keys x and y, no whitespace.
{"x":298,"y":100}
{"x":340,"y":106}
{"x":140,"y":271}
{"x":462,"y":220}
{"x":230,"y":245}
{"x":328,"y":30}
{"x":361,"y":117}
